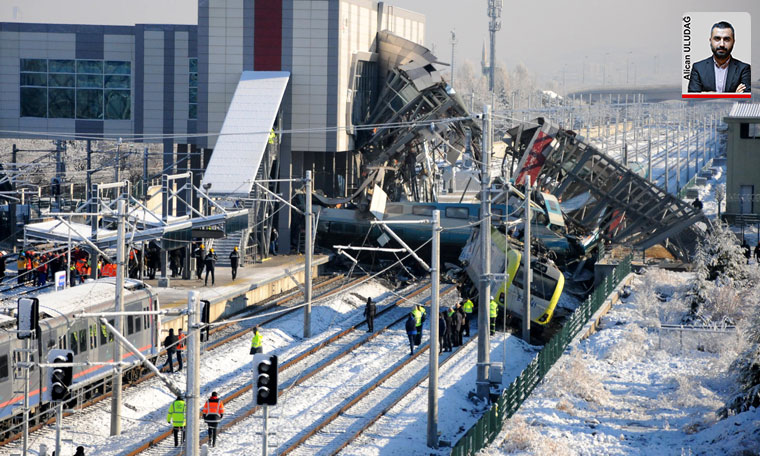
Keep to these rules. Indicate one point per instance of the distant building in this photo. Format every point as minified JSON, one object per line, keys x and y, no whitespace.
{"x":743,"y":160}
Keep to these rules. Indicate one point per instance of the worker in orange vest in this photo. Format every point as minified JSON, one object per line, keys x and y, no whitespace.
{"x":180,"y":347}
{"x":213,"y":412}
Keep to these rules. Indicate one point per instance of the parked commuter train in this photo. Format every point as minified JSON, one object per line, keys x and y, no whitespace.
{"x":88,"y":338}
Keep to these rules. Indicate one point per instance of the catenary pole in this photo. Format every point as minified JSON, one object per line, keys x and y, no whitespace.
{"x":309,"y":253}
{"x":484,"y":349}
{"x":193,"y":374}
{"x":118,"y":350}
{"x":526,"y":263}
{"x":432,"y":418}
{"x":25,"y":445}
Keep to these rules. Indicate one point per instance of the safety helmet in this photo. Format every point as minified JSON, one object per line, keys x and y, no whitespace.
{"x":203,"y":246}
{"x":212,"y":250}
{"x":236,"y":249}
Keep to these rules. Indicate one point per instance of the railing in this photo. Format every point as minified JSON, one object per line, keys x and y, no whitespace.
{"x":489,"y":425}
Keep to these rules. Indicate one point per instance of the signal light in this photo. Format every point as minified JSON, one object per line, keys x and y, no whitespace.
{"x":266,"y":379}
{"x":60,"y":377}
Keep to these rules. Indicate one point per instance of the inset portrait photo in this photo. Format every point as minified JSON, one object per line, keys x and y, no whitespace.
{"x":716,"y":50}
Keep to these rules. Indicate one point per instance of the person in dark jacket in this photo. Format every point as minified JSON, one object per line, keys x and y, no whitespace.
{"x":458,"y":318}
{"x":234,"y":258}
{"x":697,"y":204}
{"x":449,"y":339}
{"x":444,"y":332}
{"x":273,"y":241}
{"x":369,"y":312}
{"x":411,"y":331}
{"x":200,"y":256}
{"x":747,"y":250}
{"x":757,"y":253}
{"x":213,"y":412}
{"x":170,"y":344}
{"x":80,"y":451}
{"x":209,"y":264}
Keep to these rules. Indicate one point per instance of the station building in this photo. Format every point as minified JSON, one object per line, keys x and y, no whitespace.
{"x":743,"y":162}
{"x":173,"y":83}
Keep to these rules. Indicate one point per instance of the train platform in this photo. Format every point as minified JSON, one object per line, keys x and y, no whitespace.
{"x":254,"y":283}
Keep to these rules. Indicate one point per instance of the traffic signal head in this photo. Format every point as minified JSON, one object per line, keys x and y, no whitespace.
{"x":61,"y":377}
{"x":266,"y":380}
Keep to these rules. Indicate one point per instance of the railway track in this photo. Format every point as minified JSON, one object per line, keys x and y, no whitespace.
{"x":293,"y":372}
{"x":225,"y":334}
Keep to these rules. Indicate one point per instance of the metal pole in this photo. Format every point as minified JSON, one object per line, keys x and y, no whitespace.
{"x":526,"y":264}
{"x":193,"y":374}
{"x":58,"y":418}
{"x":118,"y":350}
{"x":688,"y":149}
{"x":432,"y":418}
{"x":145,"y":175}
{"x":265,"y":433}
{"x":25,"y":445}
{"x":667,"y":164}
{"x":307,"y":271}
{"x":484,"y":349}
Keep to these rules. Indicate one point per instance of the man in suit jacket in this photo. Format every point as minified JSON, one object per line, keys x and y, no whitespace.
{"x":720,"y":72}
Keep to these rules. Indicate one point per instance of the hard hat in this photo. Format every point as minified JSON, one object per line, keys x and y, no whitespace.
{"x":236,"y":249}
{"x":212,"y":250}
{"x":203,"y":246}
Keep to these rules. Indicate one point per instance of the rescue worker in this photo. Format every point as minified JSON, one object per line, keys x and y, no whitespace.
{"x":419,"y":317}
{"x":256,"y":342}
{"x":467,"y":307}
{"x":234,"y":258}
{"x":170,"y":343}
{"x":73,"y":273}
{"x":213,"y":412}
{"x":199,"y":256}
{"x":411,"y":330}
{"x":493,"y":312}
{"x":369,"y":311}
{"x":210,"y":262}
{"x":21,"y":265}
{"x":176,"y":417}
{"x":180,"y":347}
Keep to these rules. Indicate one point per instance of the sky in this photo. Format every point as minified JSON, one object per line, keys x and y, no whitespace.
{"x":550,"y":36}
{"x":586,"y":40}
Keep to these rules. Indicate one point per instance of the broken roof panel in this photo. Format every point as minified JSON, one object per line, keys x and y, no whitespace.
{"x":245,"y":133}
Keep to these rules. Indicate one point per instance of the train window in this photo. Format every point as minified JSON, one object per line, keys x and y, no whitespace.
{"x":62,"y":342}
{"x":130,"y":325}
{"x":103,"y":334}
{"x":138,"y":324}
{"x":112,"y":322}
{"x":82,"y":340}
{"x":74,"y":342}
{"x":395,"y":209}
{"x":3,"y":367}
{"x":93,"y":337}
{"x":423,"y":210}
{"x":497,"y":212}
{"x":457,"y":213}
{"x":146,"y":319}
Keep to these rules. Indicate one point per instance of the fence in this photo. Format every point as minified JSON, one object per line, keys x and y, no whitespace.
{"x":490,"y":424}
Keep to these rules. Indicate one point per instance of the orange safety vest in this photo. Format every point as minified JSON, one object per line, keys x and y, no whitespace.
{"x":213,"y":407}
{"x":181,"y":344}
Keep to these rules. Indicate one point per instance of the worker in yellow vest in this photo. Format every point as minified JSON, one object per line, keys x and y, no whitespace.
{"x":468,"y":307}
{"x":176,"y":417}
{"x":493,"y":312}
{"x":257,"y":342}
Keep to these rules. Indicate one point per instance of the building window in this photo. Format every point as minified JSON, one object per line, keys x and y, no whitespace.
{"x":76,"y":89}
{"x":749,"y":130}
{"x":193,"y":79}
